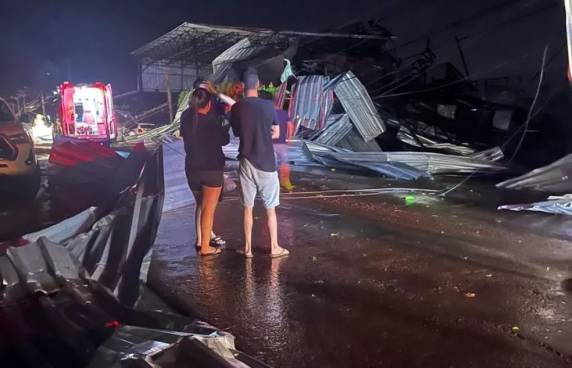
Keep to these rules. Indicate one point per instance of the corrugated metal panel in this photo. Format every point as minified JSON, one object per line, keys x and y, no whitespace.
{"x":341,"y":159}
{"x":311,"y":104}
{"x":354,"y":142}
{"x":358,"y":104}
{"x":417,"y":140}
{"x":426,"y":162}
{"x":241,"y":50}
{"x":280,"y":97}
{"x":337,"y":127}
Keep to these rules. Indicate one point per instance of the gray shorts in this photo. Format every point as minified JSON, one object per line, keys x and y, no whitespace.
{"x":254,"y":181}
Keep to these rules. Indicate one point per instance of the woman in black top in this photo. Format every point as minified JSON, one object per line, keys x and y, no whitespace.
{"x":204,"y":135}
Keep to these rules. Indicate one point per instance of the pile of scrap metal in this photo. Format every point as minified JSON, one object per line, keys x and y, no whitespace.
{"x":326,"y":81}
{"x":406,"y":165}
{"x":347,"y":139}
{"x":72,"y":295}
{"x":554,"y":178}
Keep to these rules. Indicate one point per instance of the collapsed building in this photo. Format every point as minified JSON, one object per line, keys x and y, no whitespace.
{"x":357,"y":105}
{"x":337,"y":87}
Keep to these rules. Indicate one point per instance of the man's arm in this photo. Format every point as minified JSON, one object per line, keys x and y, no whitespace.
{"x":275,"y":124}
{"x":275,"y":131}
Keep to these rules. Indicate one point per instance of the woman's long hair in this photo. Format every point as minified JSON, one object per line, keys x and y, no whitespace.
{"x":199,"y":100}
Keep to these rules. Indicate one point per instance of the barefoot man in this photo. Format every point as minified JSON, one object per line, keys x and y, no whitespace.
{"x":254,"y":121}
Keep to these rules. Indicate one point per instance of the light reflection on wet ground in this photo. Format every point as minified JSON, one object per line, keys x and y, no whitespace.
{"x":374,"y":282}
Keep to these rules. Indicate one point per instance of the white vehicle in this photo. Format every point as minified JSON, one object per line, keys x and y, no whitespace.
{"x":19,"y":171}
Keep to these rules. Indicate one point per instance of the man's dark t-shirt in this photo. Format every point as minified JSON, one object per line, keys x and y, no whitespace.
{"x":203,"y":140}
{"x":251,"y":119}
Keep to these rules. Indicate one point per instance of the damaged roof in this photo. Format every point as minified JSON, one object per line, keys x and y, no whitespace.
{"x":201,"y":43}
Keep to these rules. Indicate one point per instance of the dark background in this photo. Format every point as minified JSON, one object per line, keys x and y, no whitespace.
{"x":43,"y":43}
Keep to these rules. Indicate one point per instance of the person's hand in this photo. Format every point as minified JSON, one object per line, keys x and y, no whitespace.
{"x":210,"y":87}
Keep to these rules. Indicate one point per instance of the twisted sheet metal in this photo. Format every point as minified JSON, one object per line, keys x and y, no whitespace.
{"x":358,"y":105}
{"x":410,"y":164}
{"x":555,"y":178}
{"x":554,"y":205}
{"x":354,"y":142}
{"x":241,"y":50}
{"x":337,"y":127}
{"x":418,"y":140}
{"x":310,"y":105}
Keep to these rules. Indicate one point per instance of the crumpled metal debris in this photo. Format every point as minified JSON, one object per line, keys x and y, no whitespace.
{"x":405,"y":165}
{"x":82,"y":279}
{"x":337,"y":127}
{"x":202,"y":346}
{"x":417,"y":140}
{"x":311,"y":103}
{"x":558,"y":205}
{"x":554,"y":178}
{"x":358,"y":104}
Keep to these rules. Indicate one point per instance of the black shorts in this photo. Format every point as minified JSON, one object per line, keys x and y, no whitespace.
{"x":199,"y":178}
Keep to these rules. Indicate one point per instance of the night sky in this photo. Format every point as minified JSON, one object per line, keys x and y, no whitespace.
{"x":44,"y":42}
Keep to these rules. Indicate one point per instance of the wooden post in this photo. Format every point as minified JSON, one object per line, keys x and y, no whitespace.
{"x":169,"y":97}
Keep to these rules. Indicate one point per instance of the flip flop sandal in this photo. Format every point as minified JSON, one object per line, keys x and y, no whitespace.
{"x":217,"y":241}
{"x":216,"y":252}
{"x":283,"y":253}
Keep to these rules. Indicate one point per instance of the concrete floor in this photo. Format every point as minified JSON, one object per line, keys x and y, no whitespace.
{"x":374,"y":282}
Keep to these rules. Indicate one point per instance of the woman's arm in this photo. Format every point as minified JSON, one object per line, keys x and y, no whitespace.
{"x":224,"y":98}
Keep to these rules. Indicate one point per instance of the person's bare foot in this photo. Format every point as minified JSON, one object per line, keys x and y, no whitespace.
{"x":278,"y":252}
{"x":247,"y":254}
{"x":210,"y":251}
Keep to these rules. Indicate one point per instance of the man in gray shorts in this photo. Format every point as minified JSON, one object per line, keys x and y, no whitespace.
{"x":254,"y":121}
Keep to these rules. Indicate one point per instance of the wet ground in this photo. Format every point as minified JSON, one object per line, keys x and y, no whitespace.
{"x":375,"y":282}
{"x":21,"y":215}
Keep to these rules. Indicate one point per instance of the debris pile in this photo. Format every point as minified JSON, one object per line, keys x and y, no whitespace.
{"x":71,"y":294}
{"x":346,"y":90}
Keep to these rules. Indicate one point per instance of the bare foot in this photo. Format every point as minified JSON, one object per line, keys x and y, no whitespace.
{"x":245,"y":253}
{"x":279,"y":252}
{"x":210,"y":251}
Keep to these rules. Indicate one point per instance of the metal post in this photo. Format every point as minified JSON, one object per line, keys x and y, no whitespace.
{"x":17,"y":99}
{"x":169,"y":97}
{"x":43,"y":106}
{"x":458,"y":39}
